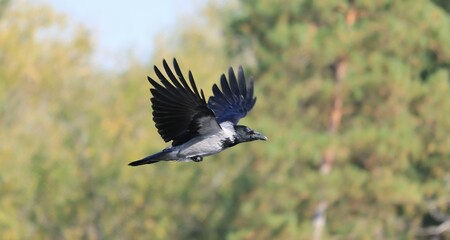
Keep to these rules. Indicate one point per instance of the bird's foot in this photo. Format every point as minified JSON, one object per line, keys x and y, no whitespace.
{"x":197,"y":159}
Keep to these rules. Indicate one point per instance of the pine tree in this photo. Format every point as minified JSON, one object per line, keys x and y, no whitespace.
{"x":354,"y":97}
{"x":358,"y":91}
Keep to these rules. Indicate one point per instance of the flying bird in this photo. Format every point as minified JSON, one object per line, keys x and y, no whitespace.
{"x":195,"y":127}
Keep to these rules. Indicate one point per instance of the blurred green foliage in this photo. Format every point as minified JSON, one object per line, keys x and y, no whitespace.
{"x":68,"y":128}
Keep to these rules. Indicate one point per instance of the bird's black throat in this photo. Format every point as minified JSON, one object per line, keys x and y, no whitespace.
{"x":227,"y":142}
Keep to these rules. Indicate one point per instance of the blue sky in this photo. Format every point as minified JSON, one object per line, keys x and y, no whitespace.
{"x":118,"y":26}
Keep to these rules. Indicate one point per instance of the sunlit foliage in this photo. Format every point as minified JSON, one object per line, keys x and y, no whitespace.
{"x":68,"y":127}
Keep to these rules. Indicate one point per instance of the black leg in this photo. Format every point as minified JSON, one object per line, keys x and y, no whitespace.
{"x":197,"y":159}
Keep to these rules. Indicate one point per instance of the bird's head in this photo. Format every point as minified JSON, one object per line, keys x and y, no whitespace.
{"x":246,"y":134}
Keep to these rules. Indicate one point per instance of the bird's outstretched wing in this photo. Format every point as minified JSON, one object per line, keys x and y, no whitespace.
{"x":236,"y":98}
{"x":180,"y":111}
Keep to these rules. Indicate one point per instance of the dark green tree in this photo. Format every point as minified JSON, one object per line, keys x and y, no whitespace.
{"x":353,"y":95}
{"x":357,"y":94}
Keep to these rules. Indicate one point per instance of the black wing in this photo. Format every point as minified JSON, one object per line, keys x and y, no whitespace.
{"x":179,"y":111}
{"x":236,"y":98}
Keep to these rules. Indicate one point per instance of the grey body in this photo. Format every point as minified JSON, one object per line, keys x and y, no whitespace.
{"x":201,"y":146}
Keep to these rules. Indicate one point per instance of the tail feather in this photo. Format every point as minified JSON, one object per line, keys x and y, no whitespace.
{"x":142,"y":162}
{"x":150,"y":159}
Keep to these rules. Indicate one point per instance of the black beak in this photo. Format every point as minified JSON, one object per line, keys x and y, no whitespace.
{"x":259,"y":136}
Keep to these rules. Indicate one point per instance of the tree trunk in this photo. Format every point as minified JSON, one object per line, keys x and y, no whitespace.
{"x":339,"y":70}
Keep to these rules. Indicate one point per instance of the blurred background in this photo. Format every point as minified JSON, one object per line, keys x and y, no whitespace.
{"x":353,"y":95}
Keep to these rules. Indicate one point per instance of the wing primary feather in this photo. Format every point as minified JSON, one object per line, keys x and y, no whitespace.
{"x":253,"y":103}
{"x":178,"y":91}
{"x":182,"y":88}
{"x":172,"y":77}
{"x":177,"y":68}
{"x":203,"y":95}
{"x":162,"y":78}
{"x":158,"y":89}
{"x":218,"y":95}
{"x":190,"y":90}
{"x":233,"y":83}
{"x":180,"y":74}
{"x":180,"y":77}
{"x":241,"y":79}
{"x":225,"y":87}
{"x":194,"y":87}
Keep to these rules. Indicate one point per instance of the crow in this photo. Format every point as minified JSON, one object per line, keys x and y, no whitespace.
{"x":196,"y":128}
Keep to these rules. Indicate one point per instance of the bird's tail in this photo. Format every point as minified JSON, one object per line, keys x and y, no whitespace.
{"x":151,"y":159}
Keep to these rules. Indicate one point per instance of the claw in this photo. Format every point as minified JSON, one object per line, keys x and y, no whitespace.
{"x":197,"y":159}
